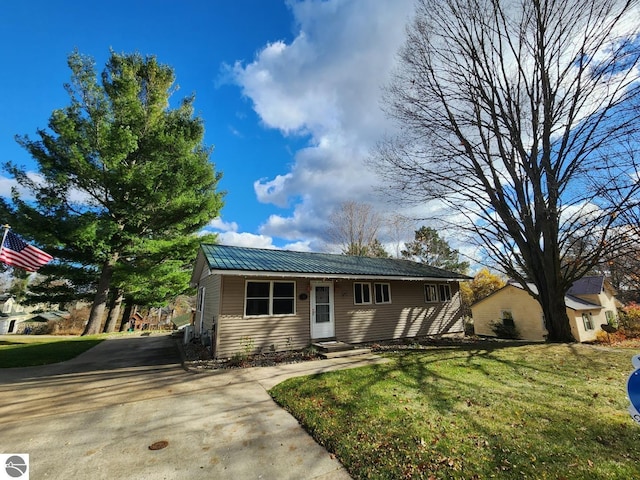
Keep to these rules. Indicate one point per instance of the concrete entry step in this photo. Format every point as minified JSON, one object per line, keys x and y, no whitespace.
{"x":346,"y":353}
{"x":334,"y":348}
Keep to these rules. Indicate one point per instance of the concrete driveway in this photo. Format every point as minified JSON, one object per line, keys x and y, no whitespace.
{"x":95,"y":417}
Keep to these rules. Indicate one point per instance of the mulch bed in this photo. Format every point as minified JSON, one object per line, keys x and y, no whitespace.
{"x":198,"y":358}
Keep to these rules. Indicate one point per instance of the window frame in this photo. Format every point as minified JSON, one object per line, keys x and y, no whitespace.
{"x":433,"y":288}
{"x":610,"y":316}
{"x":270,"y":299}
{"x":200,"y":299}
{"x":587,"y":321}
{"x":441,"y":292}
{"x":446,"y":289}
{"x":382,"y":293}
{"x":362,"y":293}
{"x":507,"y":318}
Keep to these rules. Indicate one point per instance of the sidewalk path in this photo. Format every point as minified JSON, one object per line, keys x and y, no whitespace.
{"x":94,"y":417}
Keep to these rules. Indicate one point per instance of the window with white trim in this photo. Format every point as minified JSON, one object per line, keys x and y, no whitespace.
{"x":382,"y":292}
{"x":430,"y":293}
{"x":264,"y":298}
{"x":587,"y":320}
{"x":611,"y":318}
{"x":361,"y":293}
{"x":445,"y":292}
{"x":440,"y":292}
{"x":200,"y":301}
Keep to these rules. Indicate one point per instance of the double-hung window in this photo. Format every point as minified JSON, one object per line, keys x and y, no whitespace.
{"x":430,"y":293}
{"x":269,"y":298}
{"x":445,"y":292}
{"x":587,"y":321}
{"x":611,"y":318}
{"x":200,"y":300}
{"x":382,"y":292}
{"x":437,"y":292}
{"x":361,"y":293}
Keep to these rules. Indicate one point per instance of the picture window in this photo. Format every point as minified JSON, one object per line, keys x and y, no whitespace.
{"x":270,"y":298}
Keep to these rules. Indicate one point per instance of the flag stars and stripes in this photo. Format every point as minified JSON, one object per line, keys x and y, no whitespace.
{"x":17,"y":253}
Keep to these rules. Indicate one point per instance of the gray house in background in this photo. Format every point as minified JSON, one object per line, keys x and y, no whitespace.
{"x":258,"y":300}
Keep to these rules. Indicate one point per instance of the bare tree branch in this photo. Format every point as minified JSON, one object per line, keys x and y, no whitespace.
{"x":513,"y":114}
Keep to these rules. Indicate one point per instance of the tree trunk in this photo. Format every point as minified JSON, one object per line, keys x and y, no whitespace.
{"x":100,"y":300}
{"x":114,"y":311}
{"x":128,"y":308}
{"x":555,"y":314}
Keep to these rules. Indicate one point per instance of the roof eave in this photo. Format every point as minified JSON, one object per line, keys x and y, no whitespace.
{"x":585,"y":307}
{"x":333,"y":276}
{"x":201,"y":264}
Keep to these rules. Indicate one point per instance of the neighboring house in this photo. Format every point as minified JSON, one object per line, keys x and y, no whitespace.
{"x":13,"y":322}
{"x":181,"y":321}
{"x":253,"y":299}
{"x":50,"y":316}
{"x":590,"y":303}
{"x":137,"y":322}
{"x":13,"y":316}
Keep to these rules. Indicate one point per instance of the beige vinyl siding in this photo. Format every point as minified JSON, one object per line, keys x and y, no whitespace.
{"x":237,"y":333}
{"x":598,"y":316}
{"x":525,"y":310}
{"x":211,"y":285}
{"x":527,"y":314}
{"x":408,"y":314}
{"x":577,"y":324}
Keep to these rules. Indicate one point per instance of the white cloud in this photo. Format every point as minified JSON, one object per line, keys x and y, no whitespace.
{"x":245,"y":240}
{"x":228,"y":235}
{"x":219,"y":224}
{"x":325,"y":84}
{"x":303,"y":246}
{"x":6,"y":184}
{"x":75,"y":196}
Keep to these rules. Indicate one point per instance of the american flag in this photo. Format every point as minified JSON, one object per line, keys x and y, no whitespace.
{"x":17,"y":253}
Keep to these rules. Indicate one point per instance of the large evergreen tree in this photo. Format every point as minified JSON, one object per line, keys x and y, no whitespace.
{"x":428,"y":247}
{"x":124,"y":178}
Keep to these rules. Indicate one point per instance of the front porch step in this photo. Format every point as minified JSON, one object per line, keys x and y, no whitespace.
{"x":334,"y":348}
{"x":346,"y":353}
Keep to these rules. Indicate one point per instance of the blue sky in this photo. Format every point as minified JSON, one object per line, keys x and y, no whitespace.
{"x":289,"y":92}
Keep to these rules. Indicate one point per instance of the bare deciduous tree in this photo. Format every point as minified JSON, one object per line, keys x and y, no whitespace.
{"x":398,"y":229}
{"x":354,"y":227}
{"x":512,"y":113}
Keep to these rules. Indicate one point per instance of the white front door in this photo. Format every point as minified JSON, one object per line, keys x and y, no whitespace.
{"x":322,"y":324}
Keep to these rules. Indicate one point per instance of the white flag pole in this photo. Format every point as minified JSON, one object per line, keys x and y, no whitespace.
{"x":4,"y":235}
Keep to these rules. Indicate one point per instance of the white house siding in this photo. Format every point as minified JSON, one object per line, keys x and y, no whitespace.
{"x":408,"y":314}
{"x":239,"y":334}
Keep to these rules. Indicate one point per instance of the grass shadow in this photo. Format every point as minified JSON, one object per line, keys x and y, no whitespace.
{"x":495,"y":410}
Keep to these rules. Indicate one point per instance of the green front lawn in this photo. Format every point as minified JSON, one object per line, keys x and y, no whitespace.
{"x":30,"y":350}
{"x":529,"y":411}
